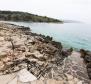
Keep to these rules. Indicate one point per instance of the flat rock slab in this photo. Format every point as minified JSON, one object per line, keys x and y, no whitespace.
{"x":74,"y":66}
{"x":25,"y":76}
{"x":48,"y":81}
{"x":6,"y":79}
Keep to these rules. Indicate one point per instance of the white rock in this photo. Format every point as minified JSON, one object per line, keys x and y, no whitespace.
{"x":25,"y":76}
{"x":80,"y":82}
{"x":1,"y":65}
{"x":1,"y":38}
{"x":6,"y":79}
{"x":76,"y":80}
{"x":14,"y":81}
{"x":71,"y":82}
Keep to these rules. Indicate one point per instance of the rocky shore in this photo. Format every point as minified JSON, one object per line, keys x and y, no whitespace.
{"x":24,"y":51}
{"x":86,"y":55}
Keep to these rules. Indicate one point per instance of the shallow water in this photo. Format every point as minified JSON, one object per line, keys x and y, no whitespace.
{"x":77,"y":35}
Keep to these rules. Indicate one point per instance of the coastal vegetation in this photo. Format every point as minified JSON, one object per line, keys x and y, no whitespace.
{"x":24,"y":16}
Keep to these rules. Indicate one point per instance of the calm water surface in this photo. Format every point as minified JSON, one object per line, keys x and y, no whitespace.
{"x":77,"y":35}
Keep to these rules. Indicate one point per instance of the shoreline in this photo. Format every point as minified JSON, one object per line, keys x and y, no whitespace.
{"x":22,"y":37}
{"x":25,"y":16}
{"x":68,"y":44}
{"x":39,"y":54}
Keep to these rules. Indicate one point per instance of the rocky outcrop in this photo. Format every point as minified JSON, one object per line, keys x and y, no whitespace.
{"x":75,"y":66}
{"x":19,"y":45}
{"x":44,"y":58}
{"x":72,"y":71}
{"x":86,"y":55}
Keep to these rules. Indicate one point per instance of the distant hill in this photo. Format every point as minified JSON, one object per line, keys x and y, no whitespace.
{"x":24,"y":16}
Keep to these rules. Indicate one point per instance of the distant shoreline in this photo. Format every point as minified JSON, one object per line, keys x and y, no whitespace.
{"x":24,"y":16}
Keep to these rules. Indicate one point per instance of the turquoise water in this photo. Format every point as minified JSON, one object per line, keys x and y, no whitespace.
{"x":77,"y":35}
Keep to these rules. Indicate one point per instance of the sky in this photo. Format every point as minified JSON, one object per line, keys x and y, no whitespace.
{"x":79,"y":10}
